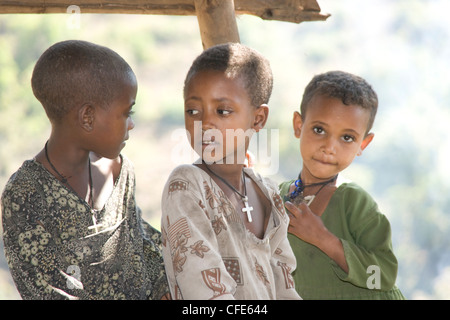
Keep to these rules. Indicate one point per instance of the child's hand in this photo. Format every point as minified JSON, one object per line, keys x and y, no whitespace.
{"x":305,"y":224}
{"x":310,"y":228}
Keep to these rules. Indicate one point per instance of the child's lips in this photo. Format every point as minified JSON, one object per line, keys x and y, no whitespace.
{"x":210,"y":145}
{"x":326,"y":162}
{"x":207,"y":142}
{"x":208,"y":139}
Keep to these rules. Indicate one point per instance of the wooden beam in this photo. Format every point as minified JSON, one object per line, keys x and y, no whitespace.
{"x":217,"y":22}
{"x":283,"y":10}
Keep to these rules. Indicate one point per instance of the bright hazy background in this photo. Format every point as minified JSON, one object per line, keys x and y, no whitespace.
{"x":401,"y":47}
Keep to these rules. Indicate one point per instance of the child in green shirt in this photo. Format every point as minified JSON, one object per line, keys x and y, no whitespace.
{"x":342,"y":242}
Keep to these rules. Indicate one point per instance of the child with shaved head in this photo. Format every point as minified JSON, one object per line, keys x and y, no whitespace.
{"x":72,"y":229}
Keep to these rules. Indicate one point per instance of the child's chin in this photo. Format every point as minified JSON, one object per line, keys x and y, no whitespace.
{"x":211,"y":159}
{"x":111,"y":155}
{"x":211,"y":156}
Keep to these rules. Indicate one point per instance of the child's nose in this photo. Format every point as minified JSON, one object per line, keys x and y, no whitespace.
{"x":130,"y":124}
{"x":208,"y":121}
{"x":329,"y":146}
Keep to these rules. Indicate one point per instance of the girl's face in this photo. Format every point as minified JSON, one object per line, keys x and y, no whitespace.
{"x":331,"y":135}
{"x":113,"y":122}
{"x":220,"y":118}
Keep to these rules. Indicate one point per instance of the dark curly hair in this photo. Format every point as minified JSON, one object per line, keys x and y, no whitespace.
{"x":349,"y":88}
{"x":237,"y":61}
{"x":71,"y":73}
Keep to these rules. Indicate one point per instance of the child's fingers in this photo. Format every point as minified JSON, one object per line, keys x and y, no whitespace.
{"x":292,"y":209}
{"x":303,"y":207}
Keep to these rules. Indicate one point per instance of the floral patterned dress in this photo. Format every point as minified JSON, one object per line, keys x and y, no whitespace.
{"x":55,"y":250}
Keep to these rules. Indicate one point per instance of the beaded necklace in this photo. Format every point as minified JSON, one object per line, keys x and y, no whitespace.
{"x":296,"y":196}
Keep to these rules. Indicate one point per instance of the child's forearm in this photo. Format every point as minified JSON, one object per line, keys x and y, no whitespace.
{"x":332,"y":247}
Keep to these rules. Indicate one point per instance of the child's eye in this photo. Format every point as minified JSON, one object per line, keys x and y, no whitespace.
{"x":192,"y":112}
{"x":348,"y":138}
{"x":128,"y":113}
{"x":223,"y":111}
{"x":318,"y":130}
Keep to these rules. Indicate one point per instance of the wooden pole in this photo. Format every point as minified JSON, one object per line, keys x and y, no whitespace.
{"x":282,"y":10}
{"x":217,"y":22}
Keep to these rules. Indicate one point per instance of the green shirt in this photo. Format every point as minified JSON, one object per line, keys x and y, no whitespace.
{"x":353,"y":216}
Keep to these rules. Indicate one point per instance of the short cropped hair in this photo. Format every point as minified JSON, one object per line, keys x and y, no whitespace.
{"x":349,"y":88}
{"x":71,"y":73}
{"x":237,"y":61}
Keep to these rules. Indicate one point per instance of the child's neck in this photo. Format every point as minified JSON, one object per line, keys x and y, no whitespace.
{"x":65,"y":157}
{"x":309,"y":179}
{"x":230,"y":172}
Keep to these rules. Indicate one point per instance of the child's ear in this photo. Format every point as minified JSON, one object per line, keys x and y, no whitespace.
{"x":86,"y":116}
{"x":261,"y":115}
{"x":367,"y":140}
{"x":297,"y":123}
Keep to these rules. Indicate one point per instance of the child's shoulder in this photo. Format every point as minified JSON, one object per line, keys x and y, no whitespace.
{"x":351,"y":189}
{"x":188,"y":175}
{"x":263,"y":181}
{"x":356,"y":199}
{"x":30,"y":170}
{"x":24,"y":182}
{"x":186,"y":178}
{"x":187,"y":171}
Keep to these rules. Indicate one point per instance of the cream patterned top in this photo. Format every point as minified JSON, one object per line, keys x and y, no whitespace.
{"x":208,"y":252}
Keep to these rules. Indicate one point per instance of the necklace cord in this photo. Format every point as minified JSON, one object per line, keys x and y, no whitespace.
{"x":300,"y":187}
{"x":64,"y":178}
{"x":247,"y":209}
{"x":243,"y":196}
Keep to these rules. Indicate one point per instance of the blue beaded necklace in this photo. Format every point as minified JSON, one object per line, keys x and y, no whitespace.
{"x":296,"y":196}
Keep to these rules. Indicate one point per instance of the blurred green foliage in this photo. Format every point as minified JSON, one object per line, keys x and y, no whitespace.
{"x":400,"y":47}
